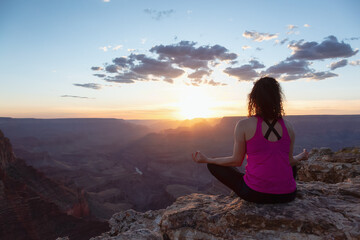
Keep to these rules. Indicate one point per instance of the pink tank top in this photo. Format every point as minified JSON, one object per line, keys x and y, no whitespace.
{"x":268,"y":169}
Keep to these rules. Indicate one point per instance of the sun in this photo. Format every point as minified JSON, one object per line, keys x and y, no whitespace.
{"x":194,"y":102}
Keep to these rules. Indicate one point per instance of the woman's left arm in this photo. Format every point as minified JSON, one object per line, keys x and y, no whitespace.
{"x":238,"y":155}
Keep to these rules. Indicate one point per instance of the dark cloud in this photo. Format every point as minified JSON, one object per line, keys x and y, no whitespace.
{"x":329,"y":48}
{"x":339,"y":64}
{"x":112,"y":68}
{"x":158,"y":15}
{"x":296,"y":69}
{"x":213,"y":83}
{"x":127,"y":77}
{"x":150,"y":66}
{"x":289,"y":67}
{"x":96,"y":68}
{"x":245,"y":72}
{"x":89,"y":85}
{"x":199,"y":74}
{"x":320,"y":75}
{"x":99,"y":75}
{"x":197,"y":77}
{"x":185,"y":54}
{"x":121,"y":61}
{"x":284,"y":41}
{"x":259,"y":37}
{"x":167,"y":63}
{"x":72,"y":96}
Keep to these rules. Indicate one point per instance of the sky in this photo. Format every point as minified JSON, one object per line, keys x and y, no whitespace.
{"x":133,"y":59}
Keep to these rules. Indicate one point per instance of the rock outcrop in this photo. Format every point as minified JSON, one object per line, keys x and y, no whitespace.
{"x":326,"y":166}
{"x":327,"y":207}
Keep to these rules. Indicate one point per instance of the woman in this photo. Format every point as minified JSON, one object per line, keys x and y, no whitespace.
{"x":268,"y":142}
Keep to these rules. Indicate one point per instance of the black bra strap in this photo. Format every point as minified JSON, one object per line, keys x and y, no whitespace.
{"x":271,"y":128}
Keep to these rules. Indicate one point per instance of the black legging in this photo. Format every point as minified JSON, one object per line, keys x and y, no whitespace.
{"x":233,"y":179}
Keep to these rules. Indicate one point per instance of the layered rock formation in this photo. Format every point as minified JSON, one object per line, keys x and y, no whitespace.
{"x":32,"y":206}
{"x":323,"y":209}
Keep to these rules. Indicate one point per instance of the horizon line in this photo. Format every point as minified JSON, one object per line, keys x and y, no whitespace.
{"x":169,"y":119}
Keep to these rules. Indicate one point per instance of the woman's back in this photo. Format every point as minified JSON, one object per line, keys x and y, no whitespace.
{"x":268,"y":169}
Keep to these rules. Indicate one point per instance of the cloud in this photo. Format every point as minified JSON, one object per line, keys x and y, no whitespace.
{"x":169,"y":80}
{"x":185,"y":54}
{"x":245,"y":72}
{"x":306,"y":25}
{"x":245,"y":47}
{"x":112,"y":68}
{"x":143,"y":40}
{"x":259,"y":37}
{"x":96,"y":68}
{"x":123,"y":78}
{"x":117,"y":47}
{"x":291,"y":27}
{"x":355,"y":63}
{"x":339,"y":64}
{"x":213,"y":83}
{"x":89,"y":85}
{"x":99,"y":75}
{"x":282,"y":41}
{"x":168,"y":62}
{"x":72,"y":96}
{"x":289,"y":70}
{"x":150,"y":66}
{"x":105,"y":48}
{"x":293,"y":67}
{"x":158,"y":15}
{"x":196,"y":63}
{"x":320,"y":75}
{"x":329,"y":48}
{"x":199,"y":74}
{"x":352,"y":38}
{"x":106,"y":1}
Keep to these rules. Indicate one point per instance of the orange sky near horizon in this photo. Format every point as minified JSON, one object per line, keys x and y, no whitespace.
{"x":187,"y":110}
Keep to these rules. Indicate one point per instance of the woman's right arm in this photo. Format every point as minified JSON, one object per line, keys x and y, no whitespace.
{"x":302,"y":156}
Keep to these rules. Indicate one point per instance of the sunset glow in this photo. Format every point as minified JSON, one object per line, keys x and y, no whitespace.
{"x":195,"y":104}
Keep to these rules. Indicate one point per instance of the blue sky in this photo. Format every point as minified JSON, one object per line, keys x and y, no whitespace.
{"x":49,"y":47}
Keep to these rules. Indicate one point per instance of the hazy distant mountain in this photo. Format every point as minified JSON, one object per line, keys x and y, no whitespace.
{"x":163,"y":124}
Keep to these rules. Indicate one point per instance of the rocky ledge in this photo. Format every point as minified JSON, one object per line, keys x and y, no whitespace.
{"x":322,"y":210}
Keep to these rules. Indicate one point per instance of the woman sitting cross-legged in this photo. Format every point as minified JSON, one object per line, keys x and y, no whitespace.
{"x":268,"y":141}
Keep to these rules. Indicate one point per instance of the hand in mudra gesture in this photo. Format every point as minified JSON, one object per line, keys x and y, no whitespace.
{"x":199,"y":157}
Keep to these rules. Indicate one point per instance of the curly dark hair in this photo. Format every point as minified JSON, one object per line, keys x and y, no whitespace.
{"x":265,"y":99}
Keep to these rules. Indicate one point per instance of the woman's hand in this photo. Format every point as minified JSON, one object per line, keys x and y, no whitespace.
{"x":304,"y":155}
{"x":199,"y":157}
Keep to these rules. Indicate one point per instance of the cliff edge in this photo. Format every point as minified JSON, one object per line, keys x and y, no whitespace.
{"x":327,"y":207}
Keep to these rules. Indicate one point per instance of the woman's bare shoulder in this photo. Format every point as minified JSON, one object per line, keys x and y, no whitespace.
{"x":247,"y":122}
